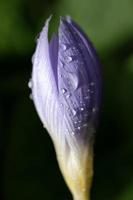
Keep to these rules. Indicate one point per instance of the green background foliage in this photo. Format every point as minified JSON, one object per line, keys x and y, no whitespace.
{"x":28,"y":166}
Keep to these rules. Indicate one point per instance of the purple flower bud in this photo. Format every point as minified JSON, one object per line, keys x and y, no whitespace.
{"x":66,"y":91}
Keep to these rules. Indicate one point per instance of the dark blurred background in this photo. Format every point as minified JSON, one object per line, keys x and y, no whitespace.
{"x":28,"y":166}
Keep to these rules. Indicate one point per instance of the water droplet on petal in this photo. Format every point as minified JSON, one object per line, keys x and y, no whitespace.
{"x":74,"y":81}
{"x":30,"y":84}
{"x":64,"y":47}
{"x":61,"y":64}
{"x":92,"y":83}
{"x":64,"y":90}
{"x":60,"y":76}
{"x":74,"y":112}
{"x":79,"y":127}
{"x":69,"y":58}
{"x":82,"y":109}
{"x":67,"y":96}
{"x":73,"y":133}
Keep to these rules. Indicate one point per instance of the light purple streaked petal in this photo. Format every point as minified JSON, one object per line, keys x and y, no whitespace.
{"x":43,"y":78}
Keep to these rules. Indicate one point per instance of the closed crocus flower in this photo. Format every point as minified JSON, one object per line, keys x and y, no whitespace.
{"x":66,"y":90}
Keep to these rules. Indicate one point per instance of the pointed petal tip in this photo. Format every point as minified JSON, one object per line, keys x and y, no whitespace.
{"x":64,"y":23}
{"x":61,"y":20}
{"x":66,"y":18}
{"x":47,"y":21}
{"x":49,"y":18}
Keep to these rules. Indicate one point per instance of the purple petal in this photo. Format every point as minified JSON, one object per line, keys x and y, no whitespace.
{"x":44,"y":89}
{"x":93,"y":55}
{"x":66,"y":84}
{"x":79,"y":79}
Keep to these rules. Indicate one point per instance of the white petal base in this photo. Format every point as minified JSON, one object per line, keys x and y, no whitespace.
{"x":77,"y":169}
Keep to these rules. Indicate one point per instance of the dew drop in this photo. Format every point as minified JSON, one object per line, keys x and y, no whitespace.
{"x":30,"y":84}
{"x":64,"y":90}
{"x":92,"y":83}
{"x":73,"y":133}
{"x":74,"y":112}
{"x":69,"y":58}
{"x":60,"y":76}
{"x":62,"y":64}
{"x":74,"y":81}
{"x":67,"y":96}
{"x":64,"y":47}
{"x":79,"y":127}
{"x":82,"y":109}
